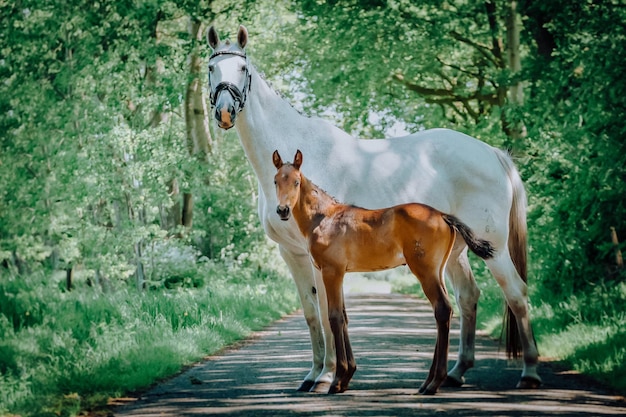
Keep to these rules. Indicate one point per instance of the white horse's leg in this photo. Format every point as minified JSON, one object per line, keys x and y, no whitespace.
{"x":316,"y":316}
{"x":327,"y":375}
{"x":516,"y":294}
{"x":466,"y":293}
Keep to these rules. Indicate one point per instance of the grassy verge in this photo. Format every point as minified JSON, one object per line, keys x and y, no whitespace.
{"x":62,"y":352}
{"x":587,"y":332}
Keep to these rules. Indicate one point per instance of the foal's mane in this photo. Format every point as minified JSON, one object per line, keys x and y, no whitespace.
{"x":319,"y":190}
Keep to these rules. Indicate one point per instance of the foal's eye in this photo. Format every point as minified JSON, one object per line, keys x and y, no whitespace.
{"x":297,"y":183}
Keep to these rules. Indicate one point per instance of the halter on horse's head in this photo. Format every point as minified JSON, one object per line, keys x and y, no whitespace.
{"x":229,"y":76}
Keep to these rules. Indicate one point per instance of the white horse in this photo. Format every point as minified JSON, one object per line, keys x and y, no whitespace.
{"x":448,"y":170}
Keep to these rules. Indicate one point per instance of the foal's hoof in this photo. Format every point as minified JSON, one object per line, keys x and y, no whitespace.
{"x":320,"y":387}
{"x":528,"y":383}
{"x":306,"y":386}
{"x":334,"y":389}
{"x":337,"y":387}
{"x":452,"y":382}
{"x":427,"y":391}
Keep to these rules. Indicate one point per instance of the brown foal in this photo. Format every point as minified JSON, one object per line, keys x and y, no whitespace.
{"x":343,"y":238}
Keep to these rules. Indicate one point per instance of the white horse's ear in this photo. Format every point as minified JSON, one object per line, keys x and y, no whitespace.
{"x":242,"y":36}
{"x":212,"y":37}
{"x":297,"y":160}
{"x":278,"y":162}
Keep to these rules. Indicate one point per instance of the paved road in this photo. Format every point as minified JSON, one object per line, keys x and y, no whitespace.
{"x":393,"y":341}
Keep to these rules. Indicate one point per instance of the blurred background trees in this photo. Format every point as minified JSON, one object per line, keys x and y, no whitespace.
{"x":113,"y":179}
{"x":107,"y":149}
{"x":107,"y":155}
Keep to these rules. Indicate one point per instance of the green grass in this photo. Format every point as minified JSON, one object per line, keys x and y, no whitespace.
{"x":62,"y":352}
{"x":588,"y":332}
{"x":65,"y":352}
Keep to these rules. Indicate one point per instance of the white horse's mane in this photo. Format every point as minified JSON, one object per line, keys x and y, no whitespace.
{"x":277,"y":92}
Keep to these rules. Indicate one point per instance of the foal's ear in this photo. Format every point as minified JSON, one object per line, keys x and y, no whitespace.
{"x":242,"y":36}
{"x":278,"y":162}
{"x":212,"y":37}
{"x":297,"y":160}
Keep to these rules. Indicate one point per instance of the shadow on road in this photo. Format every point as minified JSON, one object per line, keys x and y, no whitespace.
{"x":393,"y":338}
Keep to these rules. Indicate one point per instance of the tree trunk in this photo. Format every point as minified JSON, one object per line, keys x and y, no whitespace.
{"x":513,"y":126}
{"x":513,"y":50}
{"x":619,"y":260}
{"x":69,"y":277}
{"x":174,"y":215}
{"x":187,"y":218}
{"x":139,"y":274}
{"x":199,"y":140}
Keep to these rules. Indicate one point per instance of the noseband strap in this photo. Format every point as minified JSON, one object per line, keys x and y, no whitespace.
{"x":238,"y":95}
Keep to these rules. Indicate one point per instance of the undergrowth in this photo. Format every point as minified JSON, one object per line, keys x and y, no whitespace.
{"x":588,"y":332}
{"x":62,"y":352}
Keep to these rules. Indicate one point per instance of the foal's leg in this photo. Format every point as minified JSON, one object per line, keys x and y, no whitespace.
{"x":516,"y":294}
{"x":345,"y":381}
{"x":439,"y":367}
{"x":333,"y":280}
{"x":433,"y":287}
{"x":303,"y":273}
{"x":466,"y":293}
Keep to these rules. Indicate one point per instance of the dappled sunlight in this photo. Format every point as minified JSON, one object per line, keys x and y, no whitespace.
{"x":393,"y":354}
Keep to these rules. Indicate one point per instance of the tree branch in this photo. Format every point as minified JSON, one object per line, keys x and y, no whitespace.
{"x":496,"y":41}
{"x":482,"y":49}
{"x":449,"y":96}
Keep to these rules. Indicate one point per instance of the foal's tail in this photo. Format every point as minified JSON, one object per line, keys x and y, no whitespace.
{"x":480,"y":247}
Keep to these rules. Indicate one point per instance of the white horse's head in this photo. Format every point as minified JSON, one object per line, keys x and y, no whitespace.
{"x":229,"y":76}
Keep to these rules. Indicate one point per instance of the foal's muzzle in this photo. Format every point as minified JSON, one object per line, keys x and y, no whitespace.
{"x":283,"y":212}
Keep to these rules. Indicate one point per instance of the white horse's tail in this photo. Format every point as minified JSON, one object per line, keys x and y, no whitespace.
{"x":517,"y":247}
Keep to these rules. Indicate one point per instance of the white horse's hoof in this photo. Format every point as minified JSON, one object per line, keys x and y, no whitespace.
{"x":320,"y":387}
{"x":528,"y":382}
{"x":306,"y":386}
{"x":453,"y":382}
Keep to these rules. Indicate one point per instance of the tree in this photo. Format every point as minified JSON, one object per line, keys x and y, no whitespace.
{"x":75,"y":116}
{"x":432,"y":64}
{"x":576,"y":108}
{"x":95,"y":113}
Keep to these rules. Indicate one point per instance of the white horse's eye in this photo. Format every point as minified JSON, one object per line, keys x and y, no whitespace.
{"x":211,"y":68}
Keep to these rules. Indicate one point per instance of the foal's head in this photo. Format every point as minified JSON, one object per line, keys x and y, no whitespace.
{"x":287,"y":181}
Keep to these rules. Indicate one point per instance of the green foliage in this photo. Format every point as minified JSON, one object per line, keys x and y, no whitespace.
{"x":93,"y":142}
{"x":88,"y":172}
{"x":386,"y":64}
{"x":576,"y":161}
{"x":587,"y":332}
{"x":84,"y":346}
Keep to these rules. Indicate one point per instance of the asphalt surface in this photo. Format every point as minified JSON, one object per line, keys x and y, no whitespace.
{"x":393,"y":340}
